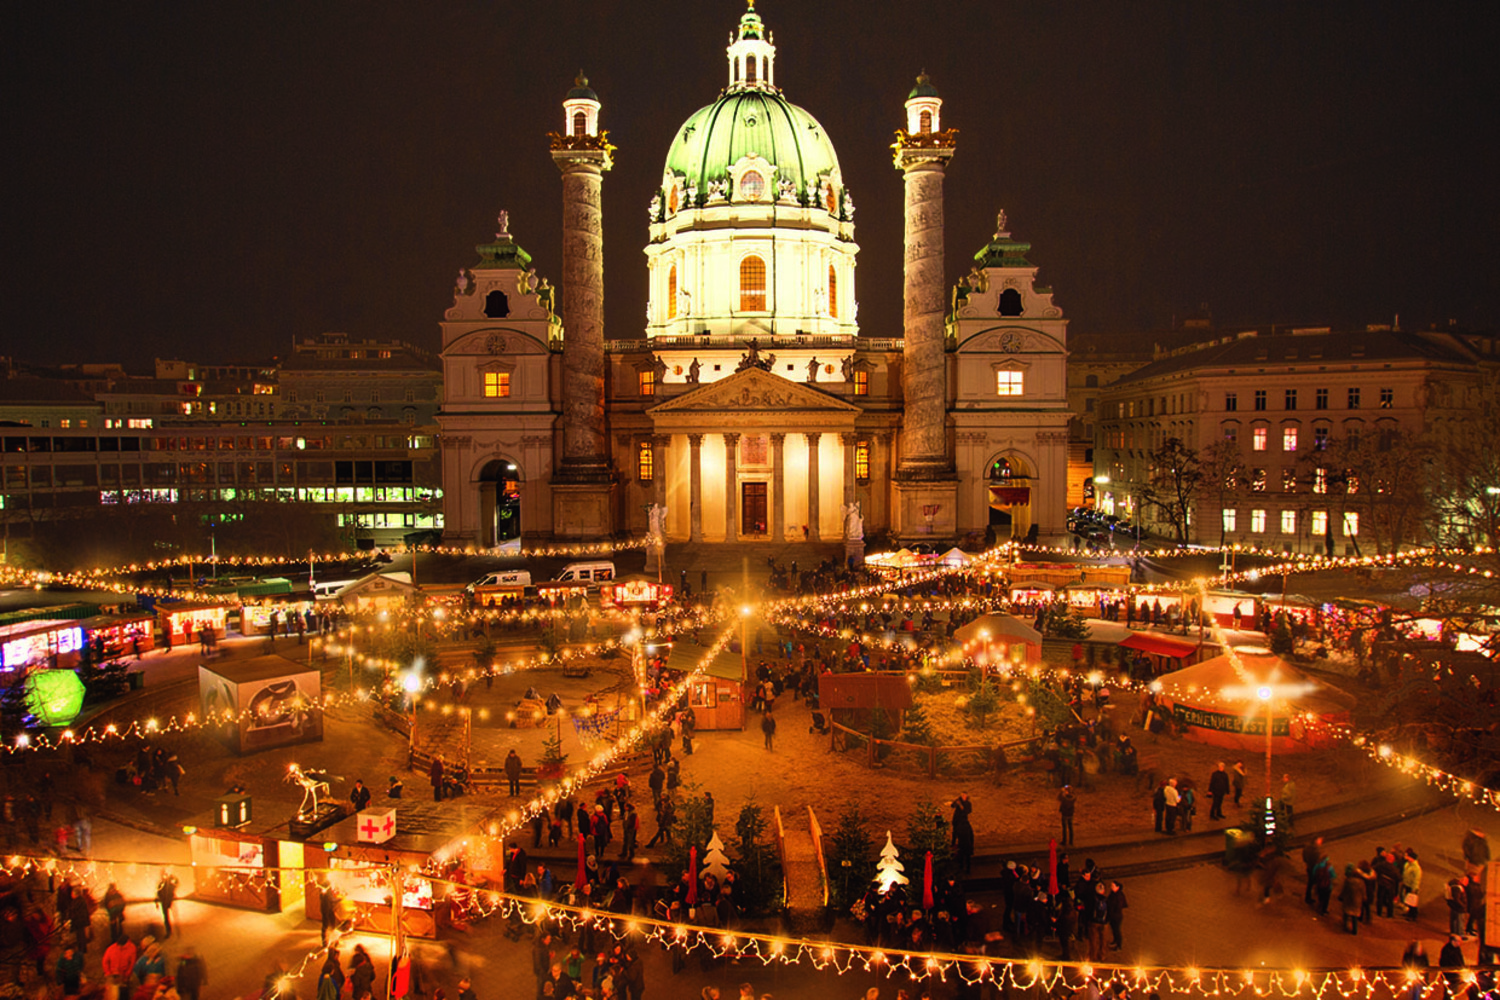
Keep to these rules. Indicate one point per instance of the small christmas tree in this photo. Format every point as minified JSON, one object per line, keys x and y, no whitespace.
{"x":554,"y":762}
{"x":916,"y":727}
{"x":889,"y":868}
{"x":715,"y":861}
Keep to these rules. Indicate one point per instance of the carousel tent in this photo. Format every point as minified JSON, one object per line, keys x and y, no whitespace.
{"x":1218,"y":702}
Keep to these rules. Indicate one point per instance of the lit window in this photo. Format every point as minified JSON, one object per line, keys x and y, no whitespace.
{"x":1257,"y":480}
{"x":924,"y":122}
{"x":496,"y":384}
{"x":862,"y":461}
{"x":1289,"y":522}
{"x":648,"y":383}
{"x":833,"y":292}
{"x":1387,"y":398}
{"x":1320,"y":480}
{"x":1009,"y":383}
{"x":752,"y":184}
{"x":580,"y":123}
{"x":672,"y":202}
{"x":1260,"y":399}
{"x":1231,"y":401}
{"x":752,"y":284}
{"x":1320,"y":401}
{"x":65,"y":423}
{"x":1258,"y":438}
{"x":1351,"y":524}
{"x":861,"y":382}
{"x":672,"y":292}
{"x":1319,"y":522}
{"x":1320,"y":438}
{"x":1289,"y":439}
{"x":1258,"y":521}
{"x":646,"y":463}
{"x":1230,"y":516}
{"x":1291,"y":399}
{"x":1289,"y":480}
{"x":1353,"y":399}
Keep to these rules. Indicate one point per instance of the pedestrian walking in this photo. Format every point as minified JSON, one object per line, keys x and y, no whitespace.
{"x":1173,"y":801}
{"x":1352,"y":898}
{"x":435,"y":776}
{"x":1159,"y":807}
{"x":513,"y":773}
{"x":1066,"y":804}
{"x":166,"y":898}
{"x":359,"y":795}
{"x":1237,"y":779}
{"x":1411,"y":884}
{"x":1116,"y":904}
{"x":768,"y":727}
{"x":1218,"y":788}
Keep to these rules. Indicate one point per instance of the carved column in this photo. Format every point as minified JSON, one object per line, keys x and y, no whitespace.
{"x":849,"y":441}
{"x":924,"y":440}
{"x":778,"y":487}
{"x":812,"y":486}
{"x":731,"y":488}
{"x":695,"y":487}
{"x":659,"y":445}
{"x":584,"y":445}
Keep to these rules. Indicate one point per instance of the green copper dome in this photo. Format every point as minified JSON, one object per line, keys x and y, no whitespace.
{"x":742,"y":122}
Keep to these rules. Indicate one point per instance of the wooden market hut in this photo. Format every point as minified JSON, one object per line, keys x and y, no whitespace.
{"x":1164,"y":653}
{"x":851,"y":699}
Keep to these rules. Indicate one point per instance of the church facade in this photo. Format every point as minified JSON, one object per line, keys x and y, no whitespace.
{"x":749,"y":407}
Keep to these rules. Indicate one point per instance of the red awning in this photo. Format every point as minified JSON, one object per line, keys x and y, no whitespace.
{"x":1009,"y":496}
{"x":1159,"y":645}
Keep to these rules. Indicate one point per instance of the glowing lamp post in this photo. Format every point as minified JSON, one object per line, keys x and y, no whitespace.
{"x":1264,"y":693}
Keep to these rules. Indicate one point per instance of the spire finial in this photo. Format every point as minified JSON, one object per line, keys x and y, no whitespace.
{"x":1000,"y":231}
{"x":580,"y":80}
{"x":504,"y":219}
{"x":750,"y":4}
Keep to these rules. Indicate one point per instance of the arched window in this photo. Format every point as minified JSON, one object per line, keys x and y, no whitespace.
{"x":833,"y":292}
{"x":1091,"y":381}
{"x":752,"y":186}
{"x":645,"y":463}
{"x":924,"y":122}
{"x":496,"y":306}
{"x":1010,"y":302}
{"x":672,"y":202}
{"x":752,"y":284}
{"x":672,"y":292}
{"x":750,"y":66}
{"x":580,"y":123}
{"x":832,"y":201}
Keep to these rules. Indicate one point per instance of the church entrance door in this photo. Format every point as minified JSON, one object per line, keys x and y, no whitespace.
{"x":753,"y":508}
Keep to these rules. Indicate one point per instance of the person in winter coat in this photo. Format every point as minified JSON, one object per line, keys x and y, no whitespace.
{"x":1218,"y":788}
{"x":1457,"y":898}
{"x":1411,"y":884}
{"x":1116,"y":905}
{"x":1352,"y":898}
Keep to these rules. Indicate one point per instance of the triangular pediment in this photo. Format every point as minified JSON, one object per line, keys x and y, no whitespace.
{"x":754,"y":389}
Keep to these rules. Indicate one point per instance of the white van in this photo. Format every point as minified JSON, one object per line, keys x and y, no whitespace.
{"x":590,"y":573}
{"x":509,"y":579}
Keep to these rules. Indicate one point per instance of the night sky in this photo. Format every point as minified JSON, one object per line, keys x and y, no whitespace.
{"x":212,"y":181}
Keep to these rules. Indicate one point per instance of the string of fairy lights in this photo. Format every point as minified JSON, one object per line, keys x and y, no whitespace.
{"x":467,"y":903}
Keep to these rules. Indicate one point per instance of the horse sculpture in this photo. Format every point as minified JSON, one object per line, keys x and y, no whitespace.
{"x":312,"y":783}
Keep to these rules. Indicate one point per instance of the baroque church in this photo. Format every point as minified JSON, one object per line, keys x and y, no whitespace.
{"x":750,"y":408}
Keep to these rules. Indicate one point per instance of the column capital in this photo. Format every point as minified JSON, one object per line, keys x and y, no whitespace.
{"x":661,"y":440}
{"x":731,"y":439}
{"x":812,"y":437}
{"x":778,"y":438}
{"x":696,"y":440}
{"x":849,"y":438}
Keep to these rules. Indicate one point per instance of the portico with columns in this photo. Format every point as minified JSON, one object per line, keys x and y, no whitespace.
{"x":755,"y":457}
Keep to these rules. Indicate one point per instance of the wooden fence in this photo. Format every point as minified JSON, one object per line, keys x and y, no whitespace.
{"x":981,"y":757}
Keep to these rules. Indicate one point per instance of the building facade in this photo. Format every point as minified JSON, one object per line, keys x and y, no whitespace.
{"x":750,"y":407}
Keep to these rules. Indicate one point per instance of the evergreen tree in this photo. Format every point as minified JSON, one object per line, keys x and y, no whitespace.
{"x":982,"y":704}
{"x":760,"y":881}
{"x":927,"y":830}
{"x":916,"y":727}
{"x":1282,"y":643}
{"x":1061,"y":620}
{"x":693,"y":829}
{"x":848,"y":856}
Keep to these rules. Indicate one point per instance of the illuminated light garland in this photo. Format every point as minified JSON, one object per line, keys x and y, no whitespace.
{"x":1455,"y":785}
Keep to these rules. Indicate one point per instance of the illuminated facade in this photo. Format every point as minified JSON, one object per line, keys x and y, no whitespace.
{"x":750,"y":407}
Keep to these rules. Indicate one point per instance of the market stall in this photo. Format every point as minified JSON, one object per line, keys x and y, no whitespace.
{"x":1159,"y":654}
{"x":1220,"y":702}
{"x":237,"y":867}
{"x":263,"y":702}
{"x":717,"y":697}
{"x":634,"y":592}
{"x":112,"y":636}
{"x":1001,"y":642}
{"x":183,"y":622}
{"x":377,"y":592}
{"x":43,"y":642}
{"x":259,"y":614}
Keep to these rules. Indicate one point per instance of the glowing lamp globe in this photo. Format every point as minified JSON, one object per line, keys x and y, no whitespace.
{"x":54,"y":696}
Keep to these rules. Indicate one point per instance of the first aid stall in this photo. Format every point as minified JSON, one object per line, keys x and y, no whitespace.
{"x":360,"y":859}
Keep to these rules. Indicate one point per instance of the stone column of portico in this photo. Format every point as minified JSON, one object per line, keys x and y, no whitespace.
{"x":659,"y":466}
{"x":812,"y":486}
{"x":695,"y":487}
{"x":731,"y":488}
{"x":849,"y":441}
{"x":922,"y":157}
{"x":778,"y":487}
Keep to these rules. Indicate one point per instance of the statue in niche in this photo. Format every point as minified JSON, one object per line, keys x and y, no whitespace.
{"x":693,"y":370}
{"x":854,"y":522}
{"x":812,"y":369}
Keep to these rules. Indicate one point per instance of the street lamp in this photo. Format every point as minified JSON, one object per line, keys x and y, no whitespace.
{"x":1264,"y":693}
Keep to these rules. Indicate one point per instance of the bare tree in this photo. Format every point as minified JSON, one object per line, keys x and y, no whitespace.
{"x":1176,"y":476}
{"x":1224,"y":476}
{"x":1463,"y":484}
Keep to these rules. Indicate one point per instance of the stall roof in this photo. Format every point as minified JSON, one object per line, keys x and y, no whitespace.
{"x":685,"y":657}
{"x":422,"y":827}
{"x":888,"y":691}
{"x":58,"y":612}
{"x":1159,"y":645}
{"x":259,"y":668}
{"x":998,"y":625}
{"x":1212,"y":677}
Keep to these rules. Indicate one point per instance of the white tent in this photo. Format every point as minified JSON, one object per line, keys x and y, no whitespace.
{"x":955,"y":557}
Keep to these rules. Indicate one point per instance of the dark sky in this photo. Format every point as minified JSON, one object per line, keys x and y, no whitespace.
{"x":213,"y":180}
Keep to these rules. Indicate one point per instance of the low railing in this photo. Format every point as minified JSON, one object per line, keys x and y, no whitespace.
{"x":786,"y":892}
{"x":983,"y":755}
{"x":817,"y":839}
